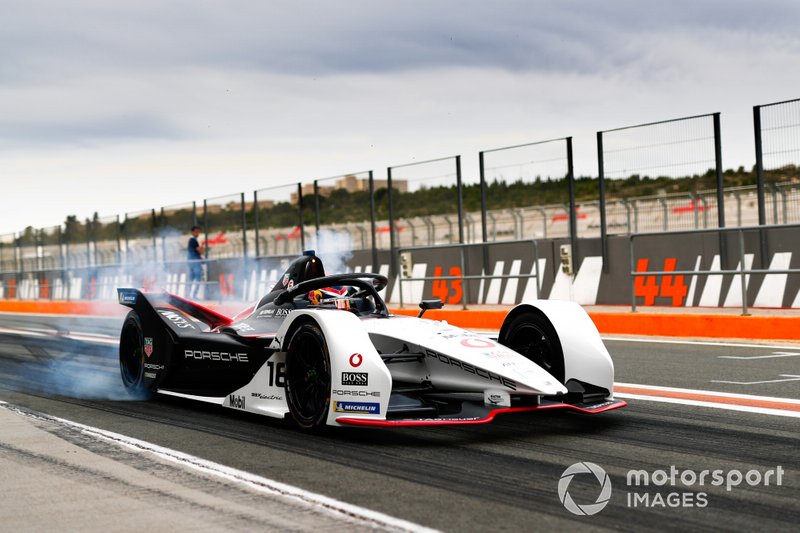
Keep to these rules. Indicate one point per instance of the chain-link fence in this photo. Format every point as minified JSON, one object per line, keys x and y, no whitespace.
{"x":278,"y":226}
{"x":662,"y":176}
{"x":777,"y":138}
{"x":514,"y":177}
{"x":425,"y":203}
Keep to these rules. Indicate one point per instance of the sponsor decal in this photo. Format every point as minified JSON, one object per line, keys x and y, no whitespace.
{"x":357,"y":393}
{"x":356,"y":359}
{"x":477,"y":342}
{"x":355,"y":379}
{"x":148,"y":346}
{"x":236,"y":401}
{"x":176,"y":319}
{"x":600,"y":405}
{"x":501,"y":354}
{"x":126,"y":297}
{"x":150,"y":375}
{"x":368,"y":408}
{"x":150,"y":366}
{"x":262,"y":396}
{"x":274,"y":313}
{"x":471,"y":369}
{"x":497,"y":398}
{"x":216,"y":356}
{"x":244,"y":326}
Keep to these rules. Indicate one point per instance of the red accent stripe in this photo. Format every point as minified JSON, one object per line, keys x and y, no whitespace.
{"x":244,"y":313}
{"x":488,"y":418}
{"x":220,"y":320}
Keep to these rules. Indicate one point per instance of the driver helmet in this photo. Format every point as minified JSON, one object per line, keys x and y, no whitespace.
{"x":337,"y":295}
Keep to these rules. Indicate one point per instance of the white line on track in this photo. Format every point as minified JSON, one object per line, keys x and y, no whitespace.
{"x":711,"y":393}
{"x":701,"y":343}
{"x":787,"y":377}
{"x":729,"y":407}
{"x":257,"y":483}
{"x":775,"y":355}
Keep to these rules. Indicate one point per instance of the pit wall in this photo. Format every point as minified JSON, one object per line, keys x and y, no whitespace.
{"x":772,"y":249}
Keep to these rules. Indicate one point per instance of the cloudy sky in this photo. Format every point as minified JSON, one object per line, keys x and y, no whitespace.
{"x":121,"y":106}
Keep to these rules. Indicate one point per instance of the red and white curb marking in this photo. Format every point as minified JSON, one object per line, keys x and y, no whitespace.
{"x":766,"y":405}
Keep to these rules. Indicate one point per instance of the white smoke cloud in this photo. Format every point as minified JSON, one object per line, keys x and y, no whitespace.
{"x":334,"y":248}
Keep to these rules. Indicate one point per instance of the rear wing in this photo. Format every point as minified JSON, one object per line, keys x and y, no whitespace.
{"x":144,"y":302}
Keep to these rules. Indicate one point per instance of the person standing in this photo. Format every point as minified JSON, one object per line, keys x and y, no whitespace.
{"x":195,"y":257}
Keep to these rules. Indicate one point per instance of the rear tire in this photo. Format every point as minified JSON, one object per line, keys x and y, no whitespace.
{"x":308,"y":377}
{"x":532,"y":335}
{"x":131,"y":354}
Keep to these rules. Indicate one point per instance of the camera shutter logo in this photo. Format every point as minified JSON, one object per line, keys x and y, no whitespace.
{"x":602,"y":499}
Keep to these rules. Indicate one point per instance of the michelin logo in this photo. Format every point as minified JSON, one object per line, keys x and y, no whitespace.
{"x":126,"y":297}
{"x":367,"y":408}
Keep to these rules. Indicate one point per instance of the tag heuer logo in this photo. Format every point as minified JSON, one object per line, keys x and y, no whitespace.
{"x":357,"y":379}
{"x":148,"y":346}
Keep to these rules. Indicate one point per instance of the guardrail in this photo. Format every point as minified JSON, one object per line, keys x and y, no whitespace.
{"x":405,"y":267}
{"x":742,"y":271}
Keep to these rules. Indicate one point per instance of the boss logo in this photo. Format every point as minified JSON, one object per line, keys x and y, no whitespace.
{"x":355,"y":379}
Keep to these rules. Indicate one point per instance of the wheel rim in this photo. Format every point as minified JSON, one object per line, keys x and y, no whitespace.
{"x":308,"y":379}
{"x":533,"y":342}
{"x":131,"y":357}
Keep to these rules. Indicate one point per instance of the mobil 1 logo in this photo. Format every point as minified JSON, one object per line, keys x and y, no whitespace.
{"x":355,"y":379}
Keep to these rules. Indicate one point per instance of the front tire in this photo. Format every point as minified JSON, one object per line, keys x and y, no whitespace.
{"x":308,"y":377}
{"x":131,"y":354}
{"x":532,"y":335}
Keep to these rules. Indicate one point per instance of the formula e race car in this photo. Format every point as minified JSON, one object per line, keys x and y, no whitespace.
{"x":325,"y":350}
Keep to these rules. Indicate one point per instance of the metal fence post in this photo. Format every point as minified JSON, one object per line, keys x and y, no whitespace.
{"x":119,"y":243}
{"x":205,"y":226}
{"x":244,"y":227}
{"x":723,"y":246}
{"x":459,"y":201}
{"x":482,"y":171}
{"x":316,"y":210}
{"x":256,"y":223}
{"x":602,"y":192}
{"x":373,"y":222}
{"x":573,"y":214}
{"x":300,"y":202}
{"x":393,"y":259}
{"x":762,"y":210}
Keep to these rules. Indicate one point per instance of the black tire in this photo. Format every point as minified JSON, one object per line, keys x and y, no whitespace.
{"x":308,"y":377}
{"x":532,"y":335}
{"x":131,"y":354}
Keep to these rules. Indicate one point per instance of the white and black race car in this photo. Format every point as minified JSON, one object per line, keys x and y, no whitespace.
{"x":325,"y":350}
